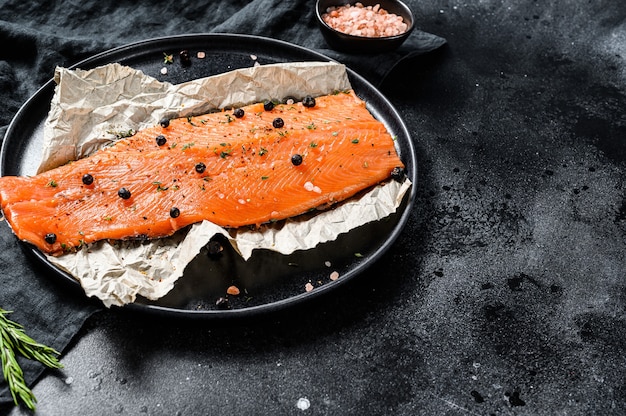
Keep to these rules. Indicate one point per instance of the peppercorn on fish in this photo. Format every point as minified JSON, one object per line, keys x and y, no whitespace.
{"x":235,"y":168}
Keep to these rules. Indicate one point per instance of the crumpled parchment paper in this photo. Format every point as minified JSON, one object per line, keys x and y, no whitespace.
{"x":90,"y":106}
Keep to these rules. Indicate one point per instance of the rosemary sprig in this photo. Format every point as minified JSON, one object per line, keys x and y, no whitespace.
{"x":13,"y":339}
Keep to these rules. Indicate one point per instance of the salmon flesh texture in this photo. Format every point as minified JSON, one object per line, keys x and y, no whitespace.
{"x":232,"y":171}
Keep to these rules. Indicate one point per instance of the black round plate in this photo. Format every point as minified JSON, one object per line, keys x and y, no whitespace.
{"x":268,"y":281}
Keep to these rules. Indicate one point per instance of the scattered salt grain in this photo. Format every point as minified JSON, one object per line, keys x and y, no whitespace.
{"x":201,"y":55}
{"x":366,"y":21}
{"x":69,"y":380}
{"x":164,"y":70}
{"x":334,"y":275}
{"x":253,"y":57}
{"x":312,"y":188}
{"x":327,"y":263}
{"x":233,"y":290}
{"x":303,"y":403}
{"x":308,"y":287}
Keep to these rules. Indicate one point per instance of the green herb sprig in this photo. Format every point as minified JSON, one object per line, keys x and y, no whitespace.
{"x":13,"y":339}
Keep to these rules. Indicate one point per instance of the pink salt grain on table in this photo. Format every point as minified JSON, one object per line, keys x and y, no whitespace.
{"x":366,"y":21}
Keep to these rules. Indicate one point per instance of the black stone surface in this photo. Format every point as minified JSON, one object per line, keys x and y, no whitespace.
{"x":505,"y":295}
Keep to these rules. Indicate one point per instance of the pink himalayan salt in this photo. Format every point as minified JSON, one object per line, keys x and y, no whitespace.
{"x":366,"y":21}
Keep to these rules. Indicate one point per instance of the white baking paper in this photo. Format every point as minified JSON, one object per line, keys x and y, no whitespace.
{"x":90,"y":107}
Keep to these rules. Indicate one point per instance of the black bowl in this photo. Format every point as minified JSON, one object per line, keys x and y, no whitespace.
{"x":360,"y":44}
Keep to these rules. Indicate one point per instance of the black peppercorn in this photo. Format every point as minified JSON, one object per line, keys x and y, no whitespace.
{"x":87,"y":179}
{"x":50,"y":238}
{"x":185,"y":59}
{"x":165,"y":122}
{"x":200,"y":167}
{"x":222,"y":303}
{"x":174,"y":212}
{"x":278,"y":123}
{"x":238,"y":112}
{"x":397,"y":173}
{"x":296,"y":159}
{"x":308,"y":101}
{"x":160,"y":140}
{"x":123,"y":193}
{"x":268,"y":105}
{"x":214,"y":248}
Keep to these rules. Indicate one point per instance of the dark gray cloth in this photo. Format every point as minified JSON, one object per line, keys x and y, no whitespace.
{"x":51,"y":311}
{"x":38,"y":36}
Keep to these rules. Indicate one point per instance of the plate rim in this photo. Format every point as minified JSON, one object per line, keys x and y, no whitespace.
{"x":373,"y":257}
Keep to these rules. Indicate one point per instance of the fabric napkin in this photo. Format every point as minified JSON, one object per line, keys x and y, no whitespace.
{"x":53,"y":311}
{"x":50,"y":310}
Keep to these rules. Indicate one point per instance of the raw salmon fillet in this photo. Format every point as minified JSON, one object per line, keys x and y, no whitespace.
{"x":233,"y":171}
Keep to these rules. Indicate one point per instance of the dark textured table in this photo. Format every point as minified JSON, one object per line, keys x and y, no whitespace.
{"x":504,"y":295}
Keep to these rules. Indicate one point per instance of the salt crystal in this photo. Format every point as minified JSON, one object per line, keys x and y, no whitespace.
{"x":303,"y":403}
